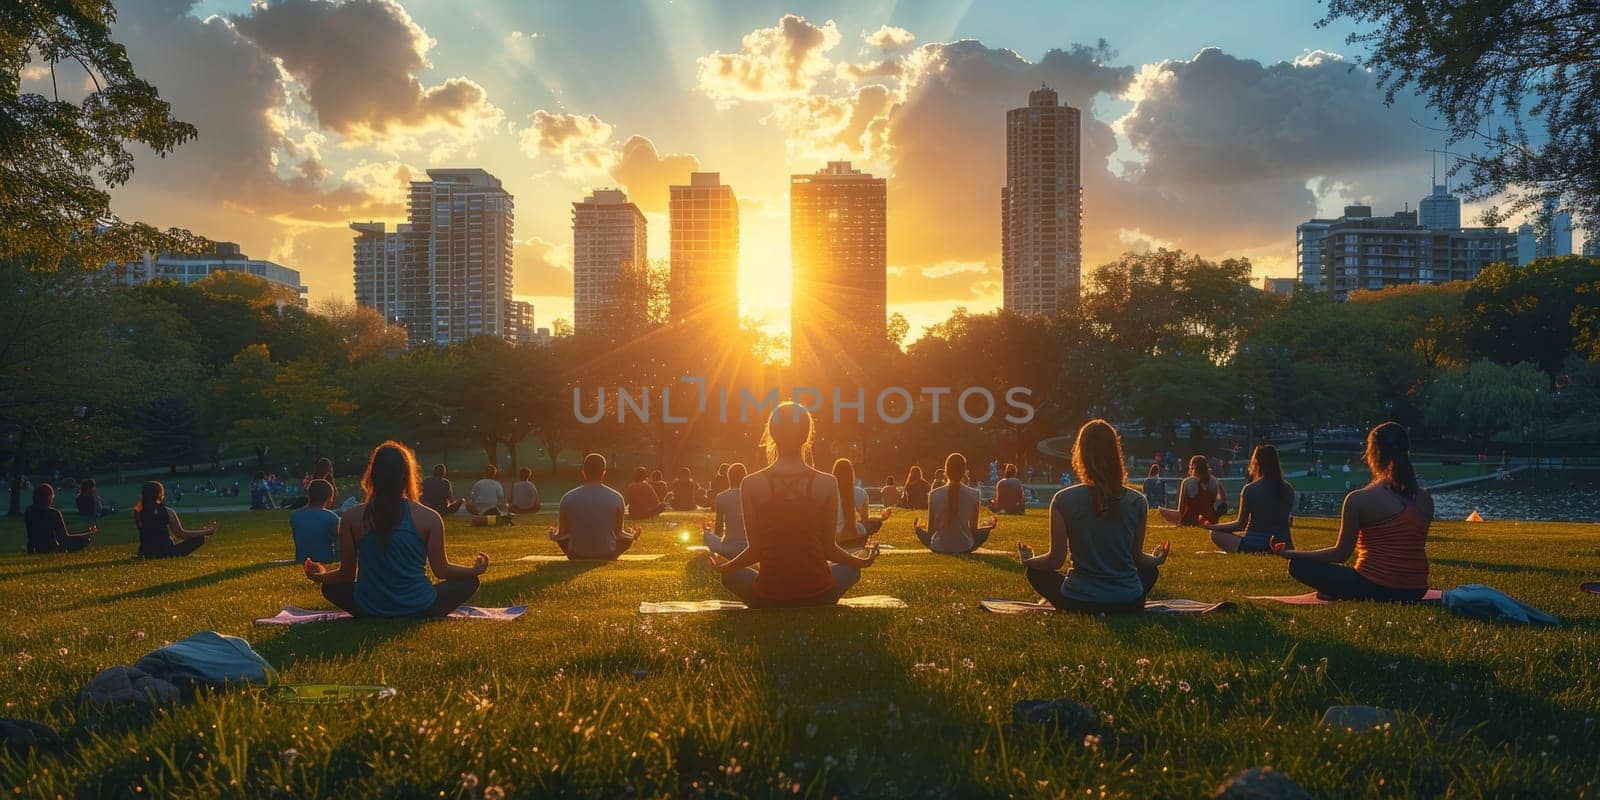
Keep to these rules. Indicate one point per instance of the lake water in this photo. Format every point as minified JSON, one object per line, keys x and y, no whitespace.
{"x":1550,"y":497}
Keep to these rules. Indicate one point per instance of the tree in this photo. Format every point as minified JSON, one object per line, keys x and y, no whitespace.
{"x":1492,"y":70}
{"x":239,"y":397}
{"x":1544,"y":310}
{"x":58,"y":159}
{"x":1162,"y":301}
{"x":1174,"y":387}
{"x":363,"y":333}
{"x":1485,"y":400}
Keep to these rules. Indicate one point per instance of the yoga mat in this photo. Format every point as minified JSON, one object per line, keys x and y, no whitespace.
{"x":623,"y":557}
{"x":884,"y":549}
{"x":1172,"y":605}
{"x":1311,"y":598}
{"x":1211,"y":552}
{"x":697,"y":606}
{"x":1592,"y":587}
{"x":283,"y":561}
{"x":294,"y":615}
{"x":322,"y":694}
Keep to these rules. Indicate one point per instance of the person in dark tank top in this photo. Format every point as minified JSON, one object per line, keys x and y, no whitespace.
{"x":1266,"y":508}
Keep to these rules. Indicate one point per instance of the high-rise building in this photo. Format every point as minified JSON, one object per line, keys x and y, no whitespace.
{"x":1283,"y":287}
{"x":1440,"y":210}
{"x":519,"y":315}
{"x":1556,"y":237}
{"x":378,"y":254}
{"x":838,"y":246}
{"x":1591,"y":244}
{"x":1308,"y":250}
{"x":224,"y":257}
{"x":1363,"y":252}
{"x":1041,"y":206}
{"x":455,"y":273}
{"x":1527,"y":244}
{"x":608,"y":236}
{"x":704,"y":283}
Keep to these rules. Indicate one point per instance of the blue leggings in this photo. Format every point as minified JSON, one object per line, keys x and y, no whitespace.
{"x":1339,"y":582}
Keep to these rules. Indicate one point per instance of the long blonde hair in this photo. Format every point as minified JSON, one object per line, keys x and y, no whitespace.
{"x":789,"y":429}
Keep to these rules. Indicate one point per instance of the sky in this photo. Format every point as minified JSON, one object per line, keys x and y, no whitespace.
{"x":1210,"y":127}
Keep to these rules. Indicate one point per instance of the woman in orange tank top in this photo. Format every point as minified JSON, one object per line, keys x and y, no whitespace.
{"x":790,"y":516}
{"x":1385,"y":524}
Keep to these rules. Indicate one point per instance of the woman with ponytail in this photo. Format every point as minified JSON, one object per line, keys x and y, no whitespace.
{"x":388,"y":542}
{"x":161,"y":533}
{"x":953,"y":525}
{"x":1385,"y":524}
{"x":1201,"y":497}
{"x":1101,"y":523}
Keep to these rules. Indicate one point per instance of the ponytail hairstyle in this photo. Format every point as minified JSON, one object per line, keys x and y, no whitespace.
{"x":1265,"y":466}
{"x":955,"y":470}
{"x":1389,"y":458}
{"x":913,"y":474}
{"x":323,"y":470}
{"x":1097,"y":458}
{"x":149,"y":511}
{"x":1200,"y":467}
{"x":789,"y":430}
{"x":390,"y":480}
{"x":844,"y":473}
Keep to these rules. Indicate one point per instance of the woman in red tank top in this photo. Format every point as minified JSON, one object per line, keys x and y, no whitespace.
{"x":790,"y":515}
{"x":1384,"y":524}
{"x":1200,"y":497}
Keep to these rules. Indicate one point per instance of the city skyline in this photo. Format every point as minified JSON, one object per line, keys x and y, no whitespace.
{"x":914,"y":95}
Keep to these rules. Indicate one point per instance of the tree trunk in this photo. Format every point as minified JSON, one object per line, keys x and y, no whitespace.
{"x":552,"y":449}
{"x":491,"y":450}
{"x":15,"y":506}
{"x":512,"y":447}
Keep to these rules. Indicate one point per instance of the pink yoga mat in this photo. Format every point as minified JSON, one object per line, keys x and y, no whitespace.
{"x":1311,"y":598}
{"x":294,"y":615}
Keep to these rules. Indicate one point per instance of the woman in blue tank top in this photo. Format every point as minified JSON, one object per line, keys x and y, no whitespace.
{"x":393,"y":539}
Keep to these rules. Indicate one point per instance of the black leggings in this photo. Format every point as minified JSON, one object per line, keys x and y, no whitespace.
{"x":979,"y":536}
{"x":451,"y":594}
{"x":182,"y":548}
{"x":1339,"y":582}
{"x":1048,"y":584}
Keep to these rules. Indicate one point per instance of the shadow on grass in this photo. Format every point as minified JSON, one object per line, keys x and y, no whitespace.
{"x":193,"y":582}
{"x":521,"y":587}
{"x":1508,"y":568}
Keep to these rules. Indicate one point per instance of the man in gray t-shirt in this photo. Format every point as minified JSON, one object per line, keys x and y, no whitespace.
{"x":589,"y":525}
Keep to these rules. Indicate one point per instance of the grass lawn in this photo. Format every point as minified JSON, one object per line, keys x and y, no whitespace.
{"x":585,"y":697}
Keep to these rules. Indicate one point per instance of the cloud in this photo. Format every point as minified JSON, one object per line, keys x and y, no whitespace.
{"x":542,"y":268}
{"x":357,"y":61}
{"x":646,"y":173}
{"x":889,"y":37}
{"x":784,"y":60}
{"x":581,"y":142}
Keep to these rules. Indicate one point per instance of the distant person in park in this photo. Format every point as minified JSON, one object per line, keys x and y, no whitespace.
{"x":684,"y":491}
{"x":890,"y":493}
{"x":260,"y":493}
{"x":916,"y":491}
{"x":953,"y":525}
{"x":856,"y":522}
{"x":47,"y":529}
{"x":644,"y":502}
{"x":1155,"y":489}
{"x":315,"y":528}
{"x":790,"y":516}
{"x":89,"y":502}
{"x":161,"y":533}
{"x":1385,"y":524}
{"x":388,"y":543}
{"x":321,"y":471}
{"x":941,"y":477}
{"x":438,"y":494}
{"x":725,"y":535}
{"x":1100,"y":523}
{"x":1266,"y":508}
{"x":524,"y":495}
{"x":589,"y":522}
{"x":1010,"y":497}
{"x":718,"y":485}
{"x":1201,"y":497}
{"x":488,"y":494}
{"x":658,"y":483}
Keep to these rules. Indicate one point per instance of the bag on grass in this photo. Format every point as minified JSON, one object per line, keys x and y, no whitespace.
{"x":1478,"y":601}
{"x":210,"y":659}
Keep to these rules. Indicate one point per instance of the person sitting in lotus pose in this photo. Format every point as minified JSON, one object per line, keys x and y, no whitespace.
{"x":1385,"y":525}
{"x":161,"y":533}
{"x":387,"y":545}
{"x":953,"y":525}
{"x":724,"y":534}
{"x":1201,"y":497}
{"x":1266,"y":508}
{"x":589,"y":519}
{"x":790,"y":516}
{"x":1100,"y":523}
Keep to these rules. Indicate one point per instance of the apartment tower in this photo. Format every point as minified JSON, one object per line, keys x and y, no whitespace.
{"x":703,"y":287}
{"x":608,"y":237}
{"x":838,"y":248}
{"x":1041,"y":206}
{"x":455,"y":275}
